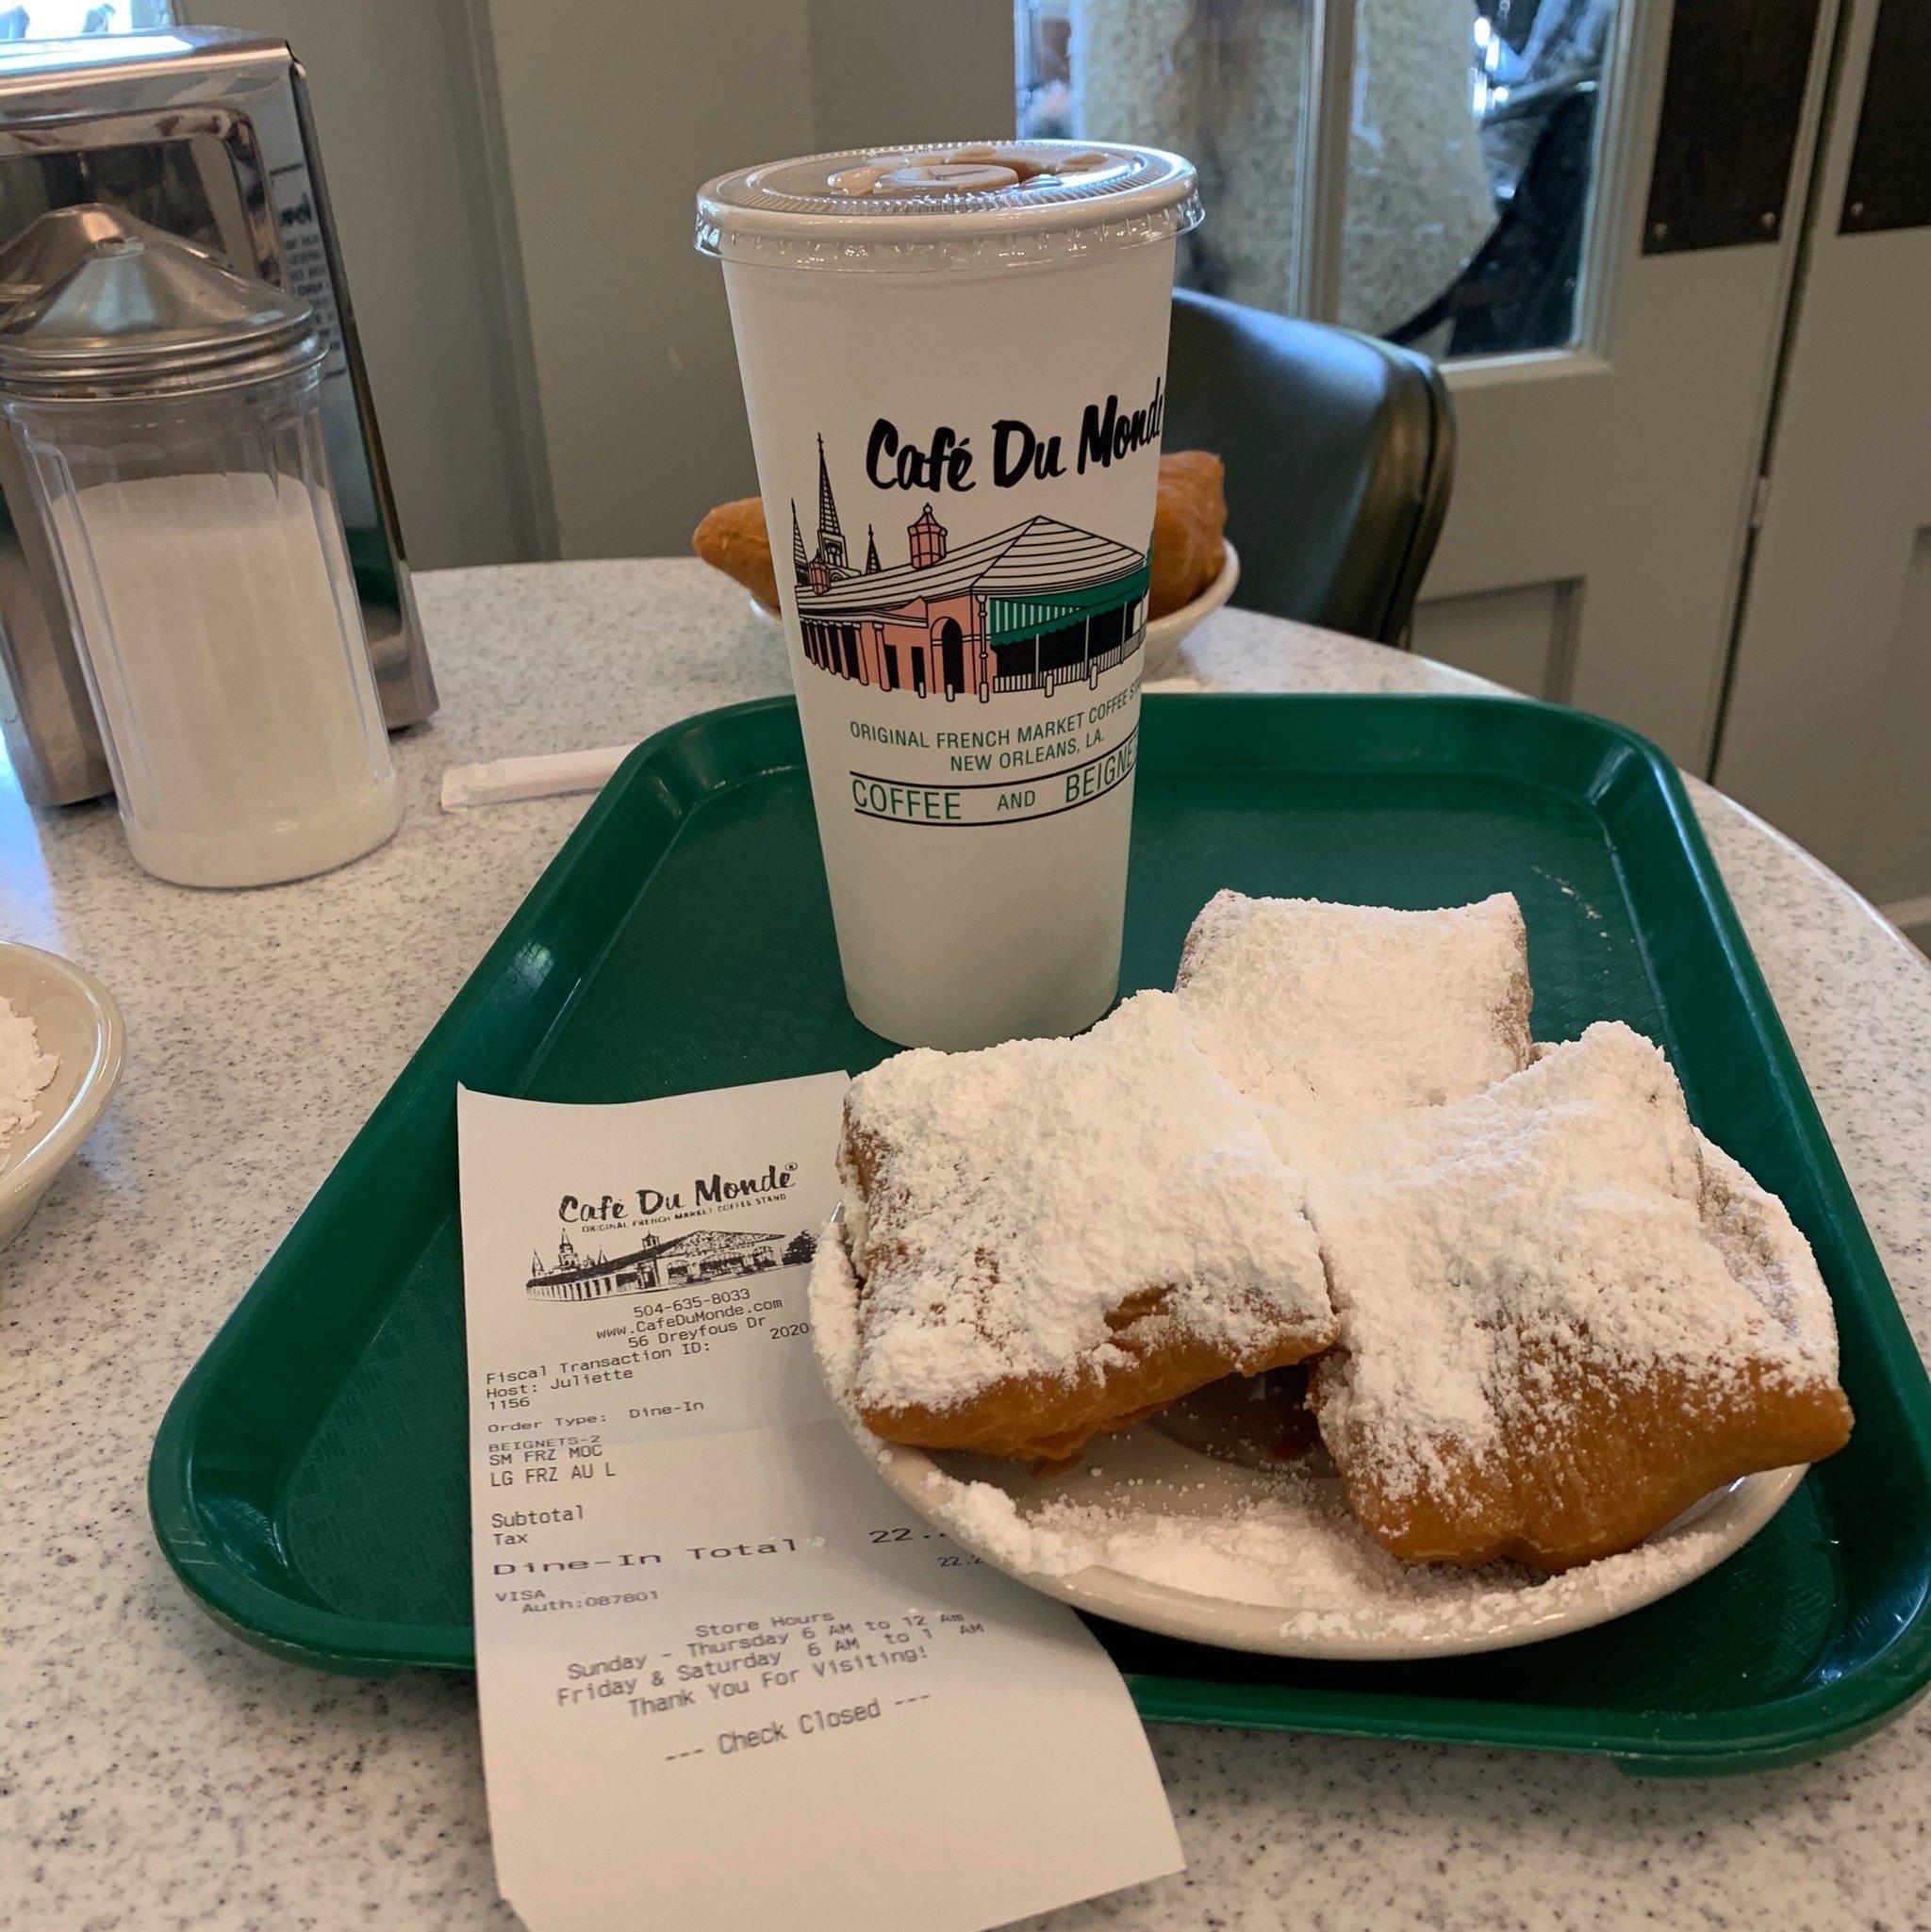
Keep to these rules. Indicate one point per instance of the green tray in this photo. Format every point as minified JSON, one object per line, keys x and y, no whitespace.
{"x":309,"y":1484}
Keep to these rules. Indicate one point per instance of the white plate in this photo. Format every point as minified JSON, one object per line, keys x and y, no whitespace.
{"x":1391,"y":1610}
{"x":77,"y":1020}
{"x":1165,"y":635}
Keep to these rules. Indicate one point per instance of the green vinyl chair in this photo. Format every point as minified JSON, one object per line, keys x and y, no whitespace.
{"x":1340,"y":454}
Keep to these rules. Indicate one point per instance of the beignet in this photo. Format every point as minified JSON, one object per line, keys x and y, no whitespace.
{"x":1057,"y":1237}
{"x":1564,"y":1316}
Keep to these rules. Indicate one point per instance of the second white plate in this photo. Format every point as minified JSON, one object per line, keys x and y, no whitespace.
{"x":79,"y":1022}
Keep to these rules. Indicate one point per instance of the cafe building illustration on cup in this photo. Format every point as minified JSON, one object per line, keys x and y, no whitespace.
{"x":1030,"y":608}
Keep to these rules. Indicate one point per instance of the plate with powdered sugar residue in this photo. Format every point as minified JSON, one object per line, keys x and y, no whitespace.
{"x":60,"y":1046}
{"x":1190,"y":1539}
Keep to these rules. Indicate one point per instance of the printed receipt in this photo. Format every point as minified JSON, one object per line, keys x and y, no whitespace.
{"x":727,"y":1678}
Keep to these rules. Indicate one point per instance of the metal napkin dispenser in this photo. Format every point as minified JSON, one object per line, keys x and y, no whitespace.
{"x":203,"y":133}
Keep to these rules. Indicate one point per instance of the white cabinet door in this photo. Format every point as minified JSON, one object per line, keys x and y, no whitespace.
{"x":1827,"y":730}
{"x":1603,"y":491}
{"x":1481,"y":177}
{"x":607,"y":115}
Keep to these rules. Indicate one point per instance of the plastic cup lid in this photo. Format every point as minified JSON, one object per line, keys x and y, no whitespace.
{"x":1002,"y":203}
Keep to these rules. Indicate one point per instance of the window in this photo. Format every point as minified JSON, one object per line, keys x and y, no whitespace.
{"x":63,"y":20}
{"x":1471,"y":148}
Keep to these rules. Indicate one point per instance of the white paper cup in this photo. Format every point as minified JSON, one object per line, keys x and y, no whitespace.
{"x":955,"y":393}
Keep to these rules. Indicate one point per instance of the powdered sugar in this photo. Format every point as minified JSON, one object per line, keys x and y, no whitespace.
{"x":1295,"y":1545}
{"x":1018,"y":1197}
{"x":1765,"y":1250}
{"x":1304,"y":1003}
{"x":25,"y":1072}
{"x":1482,"y":1206}
{"x":1561,"y":1211}
{"x":1486,"y":1206}
{"x":1147,"y":1509}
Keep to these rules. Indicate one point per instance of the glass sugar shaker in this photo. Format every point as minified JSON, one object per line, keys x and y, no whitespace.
{"x":166,"y":411}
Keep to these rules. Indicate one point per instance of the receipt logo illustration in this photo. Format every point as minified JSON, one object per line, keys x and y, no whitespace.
{"x":682,"y":1260}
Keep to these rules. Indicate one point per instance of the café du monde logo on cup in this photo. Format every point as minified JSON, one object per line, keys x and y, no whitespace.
{"x":1032,"y":607}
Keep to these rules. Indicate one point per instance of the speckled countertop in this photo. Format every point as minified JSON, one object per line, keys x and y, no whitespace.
{"x":157,"y":1773}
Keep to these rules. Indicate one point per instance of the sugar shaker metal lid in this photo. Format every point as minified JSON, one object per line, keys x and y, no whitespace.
{"x":141,"y":313}
{"x":44,"y":250}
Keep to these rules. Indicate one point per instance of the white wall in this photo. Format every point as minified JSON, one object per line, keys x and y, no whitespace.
{"x":399,"y":120}
{"x":513,"y":182}
{"x":611,"y":114}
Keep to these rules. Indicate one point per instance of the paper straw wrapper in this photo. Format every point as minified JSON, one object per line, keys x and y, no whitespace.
{"x":548,"y":775}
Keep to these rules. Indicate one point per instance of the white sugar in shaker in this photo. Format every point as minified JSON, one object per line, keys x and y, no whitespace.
{"x":167,"y":413}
